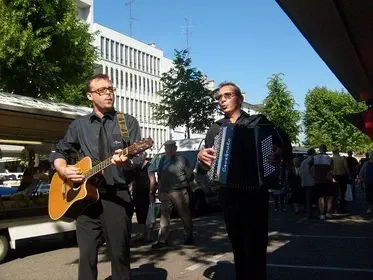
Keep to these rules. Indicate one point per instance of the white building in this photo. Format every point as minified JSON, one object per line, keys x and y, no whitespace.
{"x":135,"y":69}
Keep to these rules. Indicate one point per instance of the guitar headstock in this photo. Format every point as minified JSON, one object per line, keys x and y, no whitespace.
{"x":140,"y":146}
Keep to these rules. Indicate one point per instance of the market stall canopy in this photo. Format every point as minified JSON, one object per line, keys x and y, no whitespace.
{"x":341,"y":32}
{"x":31,"y":121}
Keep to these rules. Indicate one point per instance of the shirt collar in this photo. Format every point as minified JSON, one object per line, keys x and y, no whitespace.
{"x":108,"y":115}
{"x":243,"y":114}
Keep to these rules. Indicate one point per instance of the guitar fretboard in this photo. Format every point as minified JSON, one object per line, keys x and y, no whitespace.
{"x":100,"y":166}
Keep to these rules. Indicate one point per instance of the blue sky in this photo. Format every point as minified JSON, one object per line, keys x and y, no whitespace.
{"x":244,"y":41}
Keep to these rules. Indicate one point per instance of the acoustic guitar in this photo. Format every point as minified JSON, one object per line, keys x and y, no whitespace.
{"x":69,"y":199}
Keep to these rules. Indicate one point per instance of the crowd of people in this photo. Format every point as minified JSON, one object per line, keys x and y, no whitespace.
{"x":318,"y":180}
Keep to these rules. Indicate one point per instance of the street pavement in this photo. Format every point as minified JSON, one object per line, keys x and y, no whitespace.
{"x":340,"y":248}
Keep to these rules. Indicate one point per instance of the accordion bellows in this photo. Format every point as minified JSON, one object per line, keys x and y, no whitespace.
{"x":241,"y":157}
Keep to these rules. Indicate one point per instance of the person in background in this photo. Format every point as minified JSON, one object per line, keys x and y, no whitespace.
{"x":175,"y":176}
{"x":352,"y":164}
{"x":366,"y":177}
{"x":307,"y":180}
{"x":321,"y":171}
{"x":295,"y":182}
{"x":361,"y":163}
{"x":28,"y":174}
{"x":340,"y":172}
{"x":140,"y":194}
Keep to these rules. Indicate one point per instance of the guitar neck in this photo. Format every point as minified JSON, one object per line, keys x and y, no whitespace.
{"x":100,"y":166}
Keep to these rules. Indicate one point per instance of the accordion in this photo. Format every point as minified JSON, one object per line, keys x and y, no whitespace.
{"x":241,"y":157}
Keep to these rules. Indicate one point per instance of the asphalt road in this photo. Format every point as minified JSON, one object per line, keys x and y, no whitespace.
{"x":340,"y":248}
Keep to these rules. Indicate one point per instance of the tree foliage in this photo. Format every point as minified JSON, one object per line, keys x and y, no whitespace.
{"x":279,"y":107}
{"x":45,"y":49}
{"x":325,"y":123}
{"x":185,"y":99}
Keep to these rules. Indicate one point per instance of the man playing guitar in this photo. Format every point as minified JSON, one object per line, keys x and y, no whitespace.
{"x":97,"y":135}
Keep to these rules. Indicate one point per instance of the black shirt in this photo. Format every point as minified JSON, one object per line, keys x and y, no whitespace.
{"x":82,"y":138}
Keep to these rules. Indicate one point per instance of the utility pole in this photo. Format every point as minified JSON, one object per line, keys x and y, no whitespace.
{"x":187,"y":33}
{"x":132,"y":19}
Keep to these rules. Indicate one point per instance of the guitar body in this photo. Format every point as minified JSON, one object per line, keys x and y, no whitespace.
{"x":70,"y":199}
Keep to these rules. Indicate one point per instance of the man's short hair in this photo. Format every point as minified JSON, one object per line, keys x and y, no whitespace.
{"x":170,"y":143}
{"x":350,"y":153}
{"x":311,"y":152}
{"x":237,"y":90}
{"x":323,"y":148}
{"x":370,"y":154}
{"x":96,"y":77}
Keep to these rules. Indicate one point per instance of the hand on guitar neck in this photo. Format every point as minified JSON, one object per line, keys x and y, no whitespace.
{"x":73,"y":173}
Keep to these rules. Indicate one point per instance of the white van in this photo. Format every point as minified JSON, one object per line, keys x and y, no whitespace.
{"x":203,"y":194}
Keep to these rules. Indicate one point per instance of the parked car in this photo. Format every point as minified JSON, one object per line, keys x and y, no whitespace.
{"x":203,"y":193}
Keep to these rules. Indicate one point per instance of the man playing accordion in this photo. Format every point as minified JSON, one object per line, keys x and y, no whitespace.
{"x":245,"y":210}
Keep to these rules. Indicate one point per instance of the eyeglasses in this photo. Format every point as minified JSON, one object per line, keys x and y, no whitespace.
{"x":104,"y":91}
{"x":227,"y":95}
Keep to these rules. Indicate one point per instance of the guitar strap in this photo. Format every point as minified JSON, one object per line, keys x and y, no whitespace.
{"x":123,"y":127}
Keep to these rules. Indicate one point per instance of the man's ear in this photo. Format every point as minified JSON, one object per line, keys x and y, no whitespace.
{"x":89,"y":96}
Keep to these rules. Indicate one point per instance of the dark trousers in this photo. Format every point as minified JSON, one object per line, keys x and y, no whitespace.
{"x":310,"y":197}
{"x":110,"y":217}
{"x":246,"y":219}
{"x":342,"y":184}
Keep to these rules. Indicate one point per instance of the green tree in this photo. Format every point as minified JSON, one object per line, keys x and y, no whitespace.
{"x":185,"y":99}
{"x":45,"y":49}
{"x":325,"y":122}
{"x":279,"y":107}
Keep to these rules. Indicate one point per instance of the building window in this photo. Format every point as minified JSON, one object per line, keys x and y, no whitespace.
{"x":122,"y":107}
{"x":126,"y":55}
{"x":147,"y":63}
{"x":136,"y":109}
{"x":140,"y":84}
{"x":143,"y":61}
{"x":149,"y":106}
{"x":127,"y":105}
{"x":107,"y":49}
{"x":158,"y":66}
{"x":145,"y":103}
{"x":111,"y":74}
{"x":121,"y":53}
{"x":152,"y":86}
{"x":112,"y":50}
{"x":135,"y":83}
{"x":140,"y":110}
{"x":121,"y":79}
{"x":131,"y":50}
{"x":135,"y":58}
{"x":126,"y":81}
{"x":156,"y":86}
{"x":107,"y":70}
{"x":102,"y":46}
{"x":139,"y":59}
{"x":148,"y":86}
{"x":117,"y":102}
{"x":116,"y":78}
{"x":131,"y":83}
{"x":117,"y":53}
{"x":144,"y":85}
{"x":151,"y":64}
{"x":131,"y":105}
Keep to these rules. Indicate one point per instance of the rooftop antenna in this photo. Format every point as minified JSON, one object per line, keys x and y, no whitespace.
{"x":132,"y":19}
{"x":187,"y":33}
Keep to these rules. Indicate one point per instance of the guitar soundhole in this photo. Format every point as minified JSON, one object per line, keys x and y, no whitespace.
{"x":73,"y":192}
